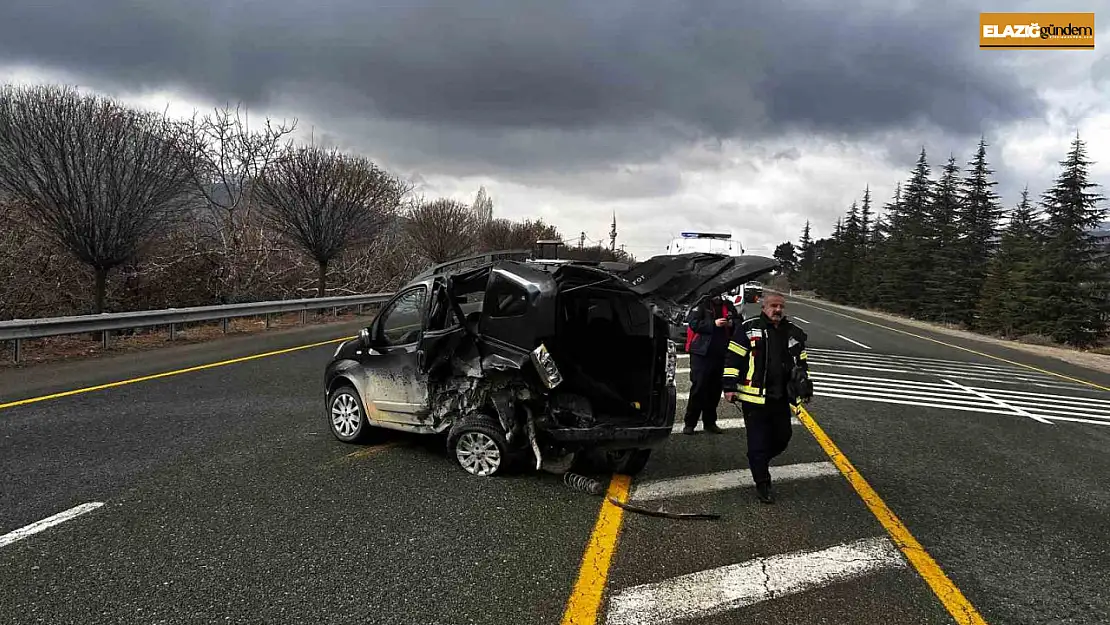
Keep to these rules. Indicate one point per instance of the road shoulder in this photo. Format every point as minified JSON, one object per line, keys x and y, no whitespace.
{"x":47,"y":378}
{"x":1090,"y":362}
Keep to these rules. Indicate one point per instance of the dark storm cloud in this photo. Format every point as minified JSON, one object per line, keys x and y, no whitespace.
{"x":719,"y":67}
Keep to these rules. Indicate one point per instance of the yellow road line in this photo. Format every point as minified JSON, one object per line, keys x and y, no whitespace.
{"x":966,"y":349}
{"x":585,"y":600}
{"x":100,"y":387}
{"x":954,"y":601}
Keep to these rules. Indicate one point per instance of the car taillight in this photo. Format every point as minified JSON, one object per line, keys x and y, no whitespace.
{"x":545,"y":366}
{"x":672,"y":362}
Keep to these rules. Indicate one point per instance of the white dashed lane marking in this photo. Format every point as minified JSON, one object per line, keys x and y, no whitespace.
{"x":47,"y":523}
{"x":852,"y":341}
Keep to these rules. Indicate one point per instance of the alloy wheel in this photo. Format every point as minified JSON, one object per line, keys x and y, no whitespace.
{"x":478,"y":454}
{"x":345,"y":415}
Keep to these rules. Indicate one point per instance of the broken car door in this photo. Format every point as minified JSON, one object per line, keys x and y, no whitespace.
{"x":395,"y":384}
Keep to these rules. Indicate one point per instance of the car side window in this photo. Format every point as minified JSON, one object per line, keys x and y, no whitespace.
{"x":402,"y":322}
{"x":509,"y":300}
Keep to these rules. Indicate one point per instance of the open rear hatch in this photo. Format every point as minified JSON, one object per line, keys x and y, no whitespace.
{"x":674,"y":283}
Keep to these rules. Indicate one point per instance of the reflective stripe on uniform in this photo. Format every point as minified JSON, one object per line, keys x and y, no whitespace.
{"x":731,"y":372}
{"x":735,"y":347}
{"x":751,"y":399}
{"x":803,"y":356}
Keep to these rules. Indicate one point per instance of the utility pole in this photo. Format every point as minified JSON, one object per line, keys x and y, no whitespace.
{"x":582,"y":240}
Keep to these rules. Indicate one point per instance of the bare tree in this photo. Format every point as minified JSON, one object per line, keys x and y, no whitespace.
{"x":325,"y":201}
{"x":483,"y":206}
{"x":97,"y":178}
{"x":596,"y":253}
{"x":383,"y":266}
{"x":504,"y":234}
{"x":442,"y":229}
{"x":226,"y":156}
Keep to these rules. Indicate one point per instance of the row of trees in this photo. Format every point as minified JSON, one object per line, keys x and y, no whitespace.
{"x":946,"y":250}
{"x":152,"y":212}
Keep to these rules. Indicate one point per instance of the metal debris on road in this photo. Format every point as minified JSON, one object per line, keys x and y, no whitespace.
{"x":667,"y":514}
{"x":593,"y":486}
{"x":587,"y":485}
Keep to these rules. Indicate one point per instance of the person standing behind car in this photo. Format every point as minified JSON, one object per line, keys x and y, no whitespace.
{"x":766,"y":369}
{"x":711,"y":322}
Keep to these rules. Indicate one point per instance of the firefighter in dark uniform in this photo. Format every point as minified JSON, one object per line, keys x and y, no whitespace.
{"x":766,"y":370}
{"x":711,"y":323}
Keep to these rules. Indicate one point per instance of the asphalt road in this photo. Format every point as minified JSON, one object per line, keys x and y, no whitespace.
{"x":226,"y":499}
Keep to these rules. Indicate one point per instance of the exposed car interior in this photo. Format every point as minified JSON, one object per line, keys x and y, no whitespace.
{"x":606,"y":342}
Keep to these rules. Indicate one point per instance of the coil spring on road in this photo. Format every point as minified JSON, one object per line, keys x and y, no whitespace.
{"x":583,"y":483}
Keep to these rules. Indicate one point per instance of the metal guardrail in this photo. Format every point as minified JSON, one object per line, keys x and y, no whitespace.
{"x":18,"y":330}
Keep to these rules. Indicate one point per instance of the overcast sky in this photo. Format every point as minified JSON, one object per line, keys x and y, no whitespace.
{"x":724,"y":115}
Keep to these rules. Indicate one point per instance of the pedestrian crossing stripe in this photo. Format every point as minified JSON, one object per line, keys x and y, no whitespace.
{"x":953,"y":385}
{"x":947,"y":394}
{"x":933,"y":367}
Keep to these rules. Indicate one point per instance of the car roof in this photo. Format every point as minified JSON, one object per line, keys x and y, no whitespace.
{"x":508,"y":257}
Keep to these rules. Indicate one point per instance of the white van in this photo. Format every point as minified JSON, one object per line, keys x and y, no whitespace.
{"x":706,"y":242}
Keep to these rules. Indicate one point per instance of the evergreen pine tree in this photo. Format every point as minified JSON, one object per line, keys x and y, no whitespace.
{"x":877,"y":235}
{"x":1072,"y":268}
{"x":830,"y":277}
{"x":865,"y":215}
{"x":806,"y":260}
{"x":822,"y":262}
{"x":787,"y":256}
{"x":865,"y":270}
{"x":881,"y":232}
{"x":850,"y":244}
{"x":907,"y":262}
{"x":883,"y":294}
{"x":1008,"y":304}
{"x":978,"y":222}
{"x":943,"y":247}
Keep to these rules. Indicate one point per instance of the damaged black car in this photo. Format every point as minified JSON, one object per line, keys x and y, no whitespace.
{"x":528,"y":360}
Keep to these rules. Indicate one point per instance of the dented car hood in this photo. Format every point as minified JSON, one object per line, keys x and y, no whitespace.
{"x":675,"y":283}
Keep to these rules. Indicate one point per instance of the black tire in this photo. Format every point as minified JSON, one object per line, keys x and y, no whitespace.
{"x":340,"y":402}
{"x":478,"y":446}
{"x":628,"y":461}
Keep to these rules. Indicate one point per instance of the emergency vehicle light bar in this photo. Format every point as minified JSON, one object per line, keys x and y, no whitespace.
{"x":706,"y":235}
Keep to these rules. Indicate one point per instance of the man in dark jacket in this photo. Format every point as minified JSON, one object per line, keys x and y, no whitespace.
{"x":767,"y":370}
{"x":711,"y":322}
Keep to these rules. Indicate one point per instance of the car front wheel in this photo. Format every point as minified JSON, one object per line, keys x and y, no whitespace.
{"x":347,"y":415}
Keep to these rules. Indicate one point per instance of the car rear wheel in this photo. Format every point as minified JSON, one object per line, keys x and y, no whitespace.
{"x":628,"y":461}
{"x":347,"y":415}
{"x":479,"y":446}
